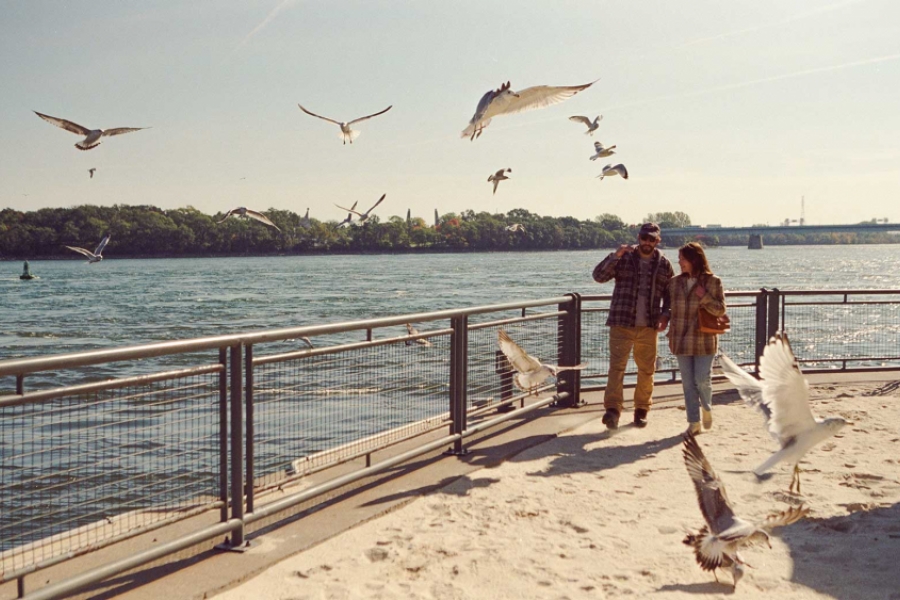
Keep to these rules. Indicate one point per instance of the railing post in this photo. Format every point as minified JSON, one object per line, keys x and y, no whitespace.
{"x":237,"y":462}
{"x":459,"y":358}
{"x":774,"y":315}
{"x":248,"y":401}
{"x":569,"y":344}
{"x":223,"y":433}
{"x":762,"y":324}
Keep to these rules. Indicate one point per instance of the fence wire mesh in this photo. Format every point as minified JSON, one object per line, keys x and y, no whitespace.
{"x":81,"y":469}
{"x":315,"y":411}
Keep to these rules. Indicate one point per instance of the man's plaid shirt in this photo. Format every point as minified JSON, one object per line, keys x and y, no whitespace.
{"x":626,"y":271}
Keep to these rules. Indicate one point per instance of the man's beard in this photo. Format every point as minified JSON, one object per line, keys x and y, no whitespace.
{"x":646,"y":249}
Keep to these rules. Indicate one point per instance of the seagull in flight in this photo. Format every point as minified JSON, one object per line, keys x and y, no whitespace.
{"x":716,"y":545}
{"x":243,"y":211}
{"x":413,"y":331}
{"x":504,"y":101}
{"x":91,"y":136}
{"x":347,"y":134}
{"x":349,"y":218}
{"x":592,"y":126}
{"x":95,"y":256}
{"x":602,"y":152}
{"x":363,"y":217}
{"x":782,"y":396}
{"x":516,"y":227}
{"x":91,"y":171}
{"x":610,"y":171}
{"x":498,"y":177}
{"x":530,"y":372}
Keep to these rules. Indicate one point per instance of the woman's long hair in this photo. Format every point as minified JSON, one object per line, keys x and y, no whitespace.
{"x":695,"y":255}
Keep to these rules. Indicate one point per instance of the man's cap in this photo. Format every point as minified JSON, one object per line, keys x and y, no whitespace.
{"x":650,"y":229}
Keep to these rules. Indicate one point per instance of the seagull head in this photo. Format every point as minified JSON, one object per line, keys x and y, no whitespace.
{"x":504,"y":90}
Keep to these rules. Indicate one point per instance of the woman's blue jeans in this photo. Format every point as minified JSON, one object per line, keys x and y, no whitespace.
{"x":695,"y":380}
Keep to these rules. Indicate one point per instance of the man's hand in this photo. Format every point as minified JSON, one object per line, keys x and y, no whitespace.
{"x":623,"y":250}
{"x":663,"y":323}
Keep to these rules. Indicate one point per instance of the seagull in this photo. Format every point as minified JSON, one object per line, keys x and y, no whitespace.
{"x":530,"y":372}
{"x":717,"y":543}
{"x":592,"y":126}
{"x":516,"y":227}
{"x":413,"y":331}
{"x":602,"y":152}
{"x":504,"y":101}
{"x":91,"y":171}
{"x":347,"y":134}
{"x":498,"y":177}
{"x":305,"y":223}
{"x":363,"y":217}
{"x":243,"y":211}
{"x":349,"y":218}
{"x":782,"y":396}
{"x":91,"y":136}
{"x":307,"y":341}
{"x":95,"y":256}
{"x":610,"y":170}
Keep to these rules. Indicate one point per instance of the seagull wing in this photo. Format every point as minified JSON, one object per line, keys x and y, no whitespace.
{"x":121,"y":130}
{"x":84,"y":251}
{"x":749,"y":388}
{"x":711,"y":496}
{"x":258,"y":216}
{"x":496,"y":183}
{"x":381,"y":112}
{"x":102,"y":245}
{"x":541,"y":96}
{"x":520,"y":360}
{"x":785,"y":390}
{"x":580,"y":119}
{"x":312,"y":114}
{"x":621,"y":170}
{"x":598,"y":146}
{"x":67,"y":125}
{"x":350,"y":209}
{"x":376,"y":204}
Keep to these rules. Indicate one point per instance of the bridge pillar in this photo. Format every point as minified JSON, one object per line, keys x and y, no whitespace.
{"x":756,"y":242}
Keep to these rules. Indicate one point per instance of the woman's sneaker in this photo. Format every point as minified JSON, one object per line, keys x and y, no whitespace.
{"x":707,"y":418}
{"x":693,"y":428}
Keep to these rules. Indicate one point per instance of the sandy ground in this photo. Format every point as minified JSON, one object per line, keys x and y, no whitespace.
{"x":594,"y":515}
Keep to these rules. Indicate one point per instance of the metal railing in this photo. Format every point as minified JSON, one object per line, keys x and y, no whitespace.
{"x":201,"y":431}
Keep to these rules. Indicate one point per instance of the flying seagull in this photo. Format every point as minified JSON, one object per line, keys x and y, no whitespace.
{"x":91,"y":136}
{"x":349,"y":218}
{"x":498,"y":177}
{"x":516,"y":227}
{"x":716,"y":545}
{"x":243,"y":211}
{"x":97,"y":254}
{"x":602,"y":152}
{"x":413,"y":331}
{"x":504,"y":101}
{"x":363,"y":217}
{"x":610,"y":171}
{"x":782,"y":396}
{"x":347,"y":134}
{"x":592,"y":126}
{"x":530,"y":372}
{"x":91,"y":171}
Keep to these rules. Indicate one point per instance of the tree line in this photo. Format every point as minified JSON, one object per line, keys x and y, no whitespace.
{"x":147,"y":231}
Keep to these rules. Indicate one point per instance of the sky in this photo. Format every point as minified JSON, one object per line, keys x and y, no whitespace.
{"x":736,"y":113}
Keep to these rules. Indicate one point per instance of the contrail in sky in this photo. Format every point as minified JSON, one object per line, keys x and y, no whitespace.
{"x":790,"y":19}
{"x":282,"y":5}
{"x":732,"y":86}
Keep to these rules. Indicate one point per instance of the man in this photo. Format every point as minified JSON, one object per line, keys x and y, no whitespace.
{"x":639,"y":309}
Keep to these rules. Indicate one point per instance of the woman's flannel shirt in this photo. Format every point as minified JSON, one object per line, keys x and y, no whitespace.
{"x":685,"y":337}
{"x":626,"y":271}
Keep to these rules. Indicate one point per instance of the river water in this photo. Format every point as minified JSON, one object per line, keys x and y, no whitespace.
{"x":74,"y":306}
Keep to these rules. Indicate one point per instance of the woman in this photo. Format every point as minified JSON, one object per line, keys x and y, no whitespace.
{"x":696,"y":286}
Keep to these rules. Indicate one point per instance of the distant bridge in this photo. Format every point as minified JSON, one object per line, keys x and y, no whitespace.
{"x":755,"y":233}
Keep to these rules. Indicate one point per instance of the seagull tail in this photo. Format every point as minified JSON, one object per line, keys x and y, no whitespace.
{"x":770,"y":462}
{"x":353,"y":134}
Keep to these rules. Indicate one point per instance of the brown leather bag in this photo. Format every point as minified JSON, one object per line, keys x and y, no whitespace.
{"x":710,"y":323}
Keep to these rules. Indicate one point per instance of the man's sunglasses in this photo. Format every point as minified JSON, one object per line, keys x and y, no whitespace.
{"x":648,"y":238}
